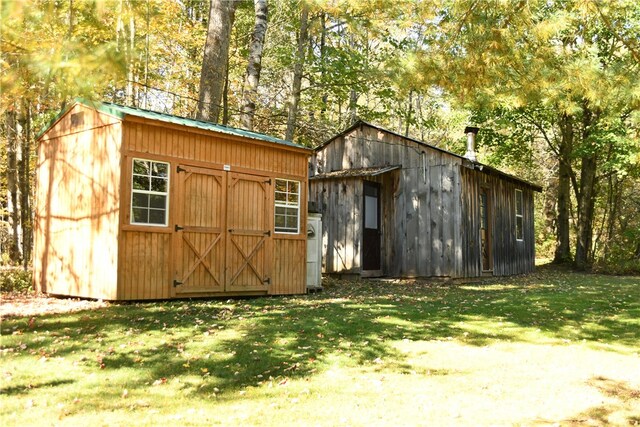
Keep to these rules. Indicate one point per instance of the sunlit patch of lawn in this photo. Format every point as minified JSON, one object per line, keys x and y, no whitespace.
{"x":552,"y":347}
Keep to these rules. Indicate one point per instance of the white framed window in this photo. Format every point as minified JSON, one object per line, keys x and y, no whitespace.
{"x":287,"y":206}
{"x":149,"y":192}
{"x":519,"y":216}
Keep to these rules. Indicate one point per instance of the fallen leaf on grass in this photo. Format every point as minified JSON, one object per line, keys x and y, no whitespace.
{"x":160,"y":381}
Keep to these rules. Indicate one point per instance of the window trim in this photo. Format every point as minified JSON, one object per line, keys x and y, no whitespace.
{"x":519,"y":193}
{"x":285,"y":204}
{"x":158,"y":193}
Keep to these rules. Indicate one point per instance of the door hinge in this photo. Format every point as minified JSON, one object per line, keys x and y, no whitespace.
{"x":267,"y":233}
{"x":267,"y":181}
{"x":267,"y":281}
{"x":178,"y":228}
{"x":180,"y":169}
{"x":176,"y":282}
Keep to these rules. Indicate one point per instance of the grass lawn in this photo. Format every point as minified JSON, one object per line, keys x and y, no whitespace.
{"x":549,"y":348}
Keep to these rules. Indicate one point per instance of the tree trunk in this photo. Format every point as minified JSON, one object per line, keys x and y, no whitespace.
{"x":586,"y":196}
{"x":252,"y":77}
{"x":323,"y":41}
{"x":353,"y":95}
{"x":25,"y":186}
{"x":225,"y":95}
{"x":563,"y":245}
{"x":353,"y":106}
{"x":12,"y":184}
{"x":409,"y":112}
{"x":549,"y":208}
{"x":586,"y":205}
{"x":130,"y":57}
{"x":294,"y":98}
{"x":214,"y":61}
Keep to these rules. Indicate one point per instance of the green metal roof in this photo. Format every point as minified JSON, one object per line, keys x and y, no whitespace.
{"x":121,"y":111}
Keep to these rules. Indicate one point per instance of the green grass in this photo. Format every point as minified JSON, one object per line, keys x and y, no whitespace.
{"x":553,"y":347}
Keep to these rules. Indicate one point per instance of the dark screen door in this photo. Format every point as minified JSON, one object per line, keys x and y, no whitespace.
{"x":371,"y":227}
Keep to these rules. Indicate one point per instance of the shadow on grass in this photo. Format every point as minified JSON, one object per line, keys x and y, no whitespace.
{"x":24,"y":389}
{"x":623,"y":410}
{"x":235,"y":344}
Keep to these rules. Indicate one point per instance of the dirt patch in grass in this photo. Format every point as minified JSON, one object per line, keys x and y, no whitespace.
{"x":22,"y":305}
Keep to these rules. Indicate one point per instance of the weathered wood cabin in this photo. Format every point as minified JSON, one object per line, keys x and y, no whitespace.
{"x":395,"y":206}
{"x":137,"y":205}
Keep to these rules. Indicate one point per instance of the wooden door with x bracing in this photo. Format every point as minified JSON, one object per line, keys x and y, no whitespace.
{"x":200,"y":231}
{"x":249,"y":240}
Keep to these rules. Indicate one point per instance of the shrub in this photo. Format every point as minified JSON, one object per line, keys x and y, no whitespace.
{"x":16,"y":280}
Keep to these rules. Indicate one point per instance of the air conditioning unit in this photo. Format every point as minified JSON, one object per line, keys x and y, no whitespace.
{"x":314,"y":252}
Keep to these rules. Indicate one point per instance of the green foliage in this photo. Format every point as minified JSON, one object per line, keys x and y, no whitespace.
{"x":16,"y":280}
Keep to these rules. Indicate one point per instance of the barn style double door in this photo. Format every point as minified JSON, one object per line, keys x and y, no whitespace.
{"x":222,"y":238}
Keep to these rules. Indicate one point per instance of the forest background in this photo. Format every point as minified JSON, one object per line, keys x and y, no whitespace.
{"x":552,"y":84}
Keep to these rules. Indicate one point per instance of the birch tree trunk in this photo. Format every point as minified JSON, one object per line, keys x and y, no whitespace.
{"x":214,"y":61}
{"x":24,"y":165}
{"x":252,"y":77}
{"x":294,"y":98}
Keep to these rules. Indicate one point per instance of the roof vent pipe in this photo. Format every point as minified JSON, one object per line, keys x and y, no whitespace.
{"x":471,"y":143}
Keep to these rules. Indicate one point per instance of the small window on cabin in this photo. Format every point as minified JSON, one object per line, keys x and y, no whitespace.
{"x":519,"y":216}
{"x":149,"y":192}
{"x":77,"y":119}
{"x":287,"y":206}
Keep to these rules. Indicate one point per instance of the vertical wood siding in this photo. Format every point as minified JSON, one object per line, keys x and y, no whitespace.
{"x":144,"y":268}
{"x":421,"y":207}
{"x":280,"y":258}
{"x":430,"y":215}
{"x":509,"y":255}
{"x":77,"y":206}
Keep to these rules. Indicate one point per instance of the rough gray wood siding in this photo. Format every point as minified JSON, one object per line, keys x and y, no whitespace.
{"x":421,"y":206}
{"x":510,"y":256}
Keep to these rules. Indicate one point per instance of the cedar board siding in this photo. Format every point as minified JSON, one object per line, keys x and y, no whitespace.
{"x":509,"y":255}
{"x":421,"y":230}
{"x":77,"y":206}
{"x":147,"y":255}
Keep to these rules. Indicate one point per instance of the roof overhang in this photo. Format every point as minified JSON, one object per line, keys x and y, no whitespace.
{"x":356,"y":172}
{"x":493,"y":171}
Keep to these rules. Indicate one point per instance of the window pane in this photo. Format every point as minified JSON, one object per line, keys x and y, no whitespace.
{"x":140,"y":200}
{"x":158,"y":202}
{"x":159,"y":184}
{"x":141,"y":167}
{"x":140,"y":215}
{"x":156,"y":216}
{"x":280,"y":221}
{"x":293,"y":198}
{"x":370,"y":212}
{"x":518,"y":202}
{"x":281,"y":197}
{"x":160,"y":169}
{"x":141,"y":182}
{"x":281,"y":185}
{"x":519,"y":228}
{"x":292,"y":223}
{"x":292,"y":186}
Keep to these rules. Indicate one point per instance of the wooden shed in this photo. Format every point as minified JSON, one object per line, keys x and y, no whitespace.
{"x":395,"y":206}
{"x":137,"y":205}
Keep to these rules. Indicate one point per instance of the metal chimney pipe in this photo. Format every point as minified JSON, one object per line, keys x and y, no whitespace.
{"x":471,"y":143}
